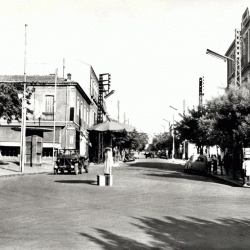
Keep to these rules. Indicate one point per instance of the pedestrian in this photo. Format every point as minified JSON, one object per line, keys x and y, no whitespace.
{"x":123,"y":155}
{"x":246,"y":168}
{"x":209,"y":163}
{"x":214,"y":160}
{"x":108,"y":163}
{"x":116,"y":154}
{"x":227,"y":162}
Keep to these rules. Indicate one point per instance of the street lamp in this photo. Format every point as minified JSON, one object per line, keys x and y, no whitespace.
{"x":173,"y":133}
{"x":214,"y":54}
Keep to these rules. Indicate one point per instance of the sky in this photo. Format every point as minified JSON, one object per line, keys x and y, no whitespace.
{"x":155,"y":50}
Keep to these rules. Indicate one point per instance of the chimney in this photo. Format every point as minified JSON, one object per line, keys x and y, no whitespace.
{"x":69,"y":77}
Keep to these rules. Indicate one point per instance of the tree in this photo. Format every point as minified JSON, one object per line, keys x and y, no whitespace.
{"x":10,"y":103}
{"x":188,"y":128}
{"x":165,"y":141}
{"x":131,"y":140}
{"x":226,"y":121}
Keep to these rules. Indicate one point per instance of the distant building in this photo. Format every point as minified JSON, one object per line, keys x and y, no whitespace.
{"x":75,"y":112}
{"x":245,"y":52}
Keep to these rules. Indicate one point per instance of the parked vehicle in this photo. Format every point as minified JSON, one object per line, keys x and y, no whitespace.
{"x":196,"y":163}
{"x":129,"y":157}
{"x":71,"y":161}
{"x":162,"y":155}
{"x":149,"y":154}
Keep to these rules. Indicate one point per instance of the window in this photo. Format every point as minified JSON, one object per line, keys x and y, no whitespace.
{"x":49,"y":104}
{"x":71,"y":114}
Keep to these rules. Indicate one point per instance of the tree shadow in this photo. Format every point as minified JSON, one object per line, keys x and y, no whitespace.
{"x":193,"y":177}
{"x":159,"y":165}
{"x":4,"y":163}
{"x":90,"y":182}
{"x":173,"y":233}
{"x":173,"y":170}
{"x":7,"y":166}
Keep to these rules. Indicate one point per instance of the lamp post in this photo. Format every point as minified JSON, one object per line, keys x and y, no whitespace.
{"x":24,"y":108}
{"x":173,"y":133}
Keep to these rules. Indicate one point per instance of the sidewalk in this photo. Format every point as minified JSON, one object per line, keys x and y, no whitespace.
{"x":217,"y":175}
{"x":9,"y":168}
{"x":221,"y":174}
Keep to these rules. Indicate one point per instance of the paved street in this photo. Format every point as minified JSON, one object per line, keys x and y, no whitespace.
{"x":153,"y":204}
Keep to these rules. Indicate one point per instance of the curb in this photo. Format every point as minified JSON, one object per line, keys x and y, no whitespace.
{"x":230,"y":182}
{"x":22,"y":174}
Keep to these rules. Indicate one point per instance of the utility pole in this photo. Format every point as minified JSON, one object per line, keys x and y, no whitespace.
{"x":173,"y":134}
{"x":201,"y":92}
{"x":104,"y":80}
{"x":54,"y":130}
{"x":118,"y":106}
{"x":124,"y":117}
{"x":23,"y":124}
{"x":237,"y":58}
{"x":63,"y":66}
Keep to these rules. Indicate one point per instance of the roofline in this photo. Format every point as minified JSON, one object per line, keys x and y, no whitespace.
{"x":63,"y":83}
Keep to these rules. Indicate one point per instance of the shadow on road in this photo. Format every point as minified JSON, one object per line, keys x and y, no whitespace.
{"x":90,"y":182}
{"x":173,"y":170}
{"x":159,"y":165}
{"x":188,"y":233}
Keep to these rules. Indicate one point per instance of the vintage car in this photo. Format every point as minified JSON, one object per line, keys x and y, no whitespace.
{"x":198,"y":163}
{"x":149,"y":154}
{"x":71,"y":161}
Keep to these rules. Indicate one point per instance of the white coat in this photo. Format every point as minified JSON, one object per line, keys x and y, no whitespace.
{"x":108,"y":163}
{"x":246,"y":166}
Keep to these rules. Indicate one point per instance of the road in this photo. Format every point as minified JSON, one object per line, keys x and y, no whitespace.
{"x":153,"y":204}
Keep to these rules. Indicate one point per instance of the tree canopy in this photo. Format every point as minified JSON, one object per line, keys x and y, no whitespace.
{"x":132,"y":140}
{"x":10,"y":103}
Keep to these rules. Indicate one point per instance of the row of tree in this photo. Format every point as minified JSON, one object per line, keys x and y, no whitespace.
{"x":223,"y":121}
{"x":132,"y":140}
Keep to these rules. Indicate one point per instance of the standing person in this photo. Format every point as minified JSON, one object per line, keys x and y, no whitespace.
{"x":214,"y":163}
{"x":227,"y":162}
{"x":108,"y":163}
{"x":123,"y":155}
{"x":246,"y":168}
{"x":116,"y":154}
{"x":209,"y":163}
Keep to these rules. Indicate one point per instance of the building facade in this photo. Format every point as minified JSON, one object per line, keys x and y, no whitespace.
{"x":245,"y":52}
{"x":66,"y":106}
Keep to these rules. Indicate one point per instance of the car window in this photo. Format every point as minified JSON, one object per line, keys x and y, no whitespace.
{"x":201,"y":159}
